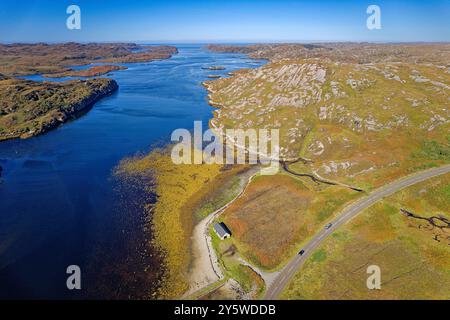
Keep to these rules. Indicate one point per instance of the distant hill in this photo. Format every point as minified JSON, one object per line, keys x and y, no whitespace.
{"x":24,"y":59}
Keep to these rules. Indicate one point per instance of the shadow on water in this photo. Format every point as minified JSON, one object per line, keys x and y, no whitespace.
{"x":130,"y":267}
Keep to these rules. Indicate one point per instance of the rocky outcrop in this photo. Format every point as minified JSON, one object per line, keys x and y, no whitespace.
{"x":29,"y":108}
{"x":353,"y":109}
{"x":361,"y":53}
{"x":73,"y":110}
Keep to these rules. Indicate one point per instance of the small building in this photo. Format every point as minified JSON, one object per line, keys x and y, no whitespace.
{"x":222,"y":230}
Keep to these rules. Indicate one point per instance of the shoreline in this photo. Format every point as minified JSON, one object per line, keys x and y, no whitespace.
{"x":206,"y":268}
{"x":205,"y":265}
{"x":61,"y":112}
{"x":59,"y":116}
{"x":93,"y":71}
{"x":193,"y":253}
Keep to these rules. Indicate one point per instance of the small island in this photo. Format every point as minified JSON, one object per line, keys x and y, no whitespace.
{"x":214,"y":68}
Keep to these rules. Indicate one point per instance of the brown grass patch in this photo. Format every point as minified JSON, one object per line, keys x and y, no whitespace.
{"x":270,"y":218}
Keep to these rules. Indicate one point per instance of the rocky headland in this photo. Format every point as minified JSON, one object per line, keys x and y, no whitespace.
{"x":30,"y":108}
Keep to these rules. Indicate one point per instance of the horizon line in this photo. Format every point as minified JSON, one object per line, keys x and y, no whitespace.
{"x":230,"y":41}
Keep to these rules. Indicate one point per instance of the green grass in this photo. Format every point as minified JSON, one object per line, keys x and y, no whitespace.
{"x":423,"y":167}
{"x":434,"y":150}
{"x":221,"y":198}
{"x":233,"y":268}
{"x":206,"y":290}
{"x":319,"y":256}
{"x":414,"y":265}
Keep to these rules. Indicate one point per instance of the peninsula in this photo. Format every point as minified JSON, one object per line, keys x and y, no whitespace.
{"x":30,"y":108}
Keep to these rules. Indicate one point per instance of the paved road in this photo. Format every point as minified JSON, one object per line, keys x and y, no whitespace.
{"x":350,"y":212}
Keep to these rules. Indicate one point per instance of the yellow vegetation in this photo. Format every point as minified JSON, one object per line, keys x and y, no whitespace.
{"x":177,"y":187}
{"x":180,"y":190}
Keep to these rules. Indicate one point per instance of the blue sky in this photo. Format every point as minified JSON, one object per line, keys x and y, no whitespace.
{"x":224,"y":21}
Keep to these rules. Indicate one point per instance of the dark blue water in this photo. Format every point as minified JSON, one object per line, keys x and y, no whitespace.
{"x":59,"y":204}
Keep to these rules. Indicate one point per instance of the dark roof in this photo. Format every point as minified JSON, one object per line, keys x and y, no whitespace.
{"x":221,"y":229}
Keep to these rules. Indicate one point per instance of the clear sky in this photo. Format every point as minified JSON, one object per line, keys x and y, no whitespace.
{"x":224,"y":21}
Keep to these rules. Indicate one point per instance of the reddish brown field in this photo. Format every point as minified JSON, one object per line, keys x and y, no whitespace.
{"x":276,"y":214}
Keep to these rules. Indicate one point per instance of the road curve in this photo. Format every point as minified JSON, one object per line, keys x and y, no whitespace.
{"x":347,"y":214}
